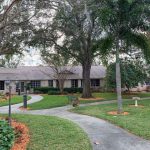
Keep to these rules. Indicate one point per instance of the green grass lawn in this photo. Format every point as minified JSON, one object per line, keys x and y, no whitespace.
{"x":14,"y":100}
{"x":112,"y":96}
{"x":53,"y":133}
{"x":51,"y":101}
{"x":137,"y":122}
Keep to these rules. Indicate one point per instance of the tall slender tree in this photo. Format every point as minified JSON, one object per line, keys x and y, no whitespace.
{"x":126,"y":22}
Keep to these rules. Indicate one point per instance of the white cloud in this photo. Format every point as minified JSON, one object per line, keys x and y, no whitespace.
{"x":31,"y":58}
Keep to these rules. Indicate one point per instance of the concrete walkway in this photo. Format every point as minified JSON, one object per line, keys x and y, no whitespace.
{"x":109,"y":136}
{"x":15,"y":107}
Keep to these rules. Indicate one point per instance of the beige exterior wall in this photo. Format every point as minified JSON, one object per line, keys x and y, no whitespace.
{"x":54,"y":83}
{"x":13,"y":85}
{"x":139,"y":88}
{"x":44,"y":83}
{"x":79,"y":83}
{"x":102,"y":82}
{"x":67,"y":84}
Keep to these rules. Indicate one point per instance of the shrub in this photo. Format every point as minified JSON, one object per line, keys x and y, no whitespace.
{"x":54,"y":93}
{"x":38,"y":92}
{"x":73,"y":90}
{"x":7,"y":136}
{"x":46,"y":90}
{"x":65,"y":93}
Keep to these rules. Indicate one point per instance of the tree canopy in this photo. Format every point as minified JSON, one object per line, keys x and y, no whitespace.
{"x":72,"y":28}
{"x":132,"y":73}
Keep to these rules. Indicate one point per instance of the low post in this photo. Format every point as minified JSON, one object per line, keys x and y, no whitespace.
{"x":25,"y":101}
{"x":19,"y":91}
{"x":9,"y":116}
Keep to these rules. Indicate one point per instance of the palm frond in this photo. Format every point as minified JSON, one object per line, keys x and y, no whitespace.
{"x":140,"y":41}
{"x":103,"y":46}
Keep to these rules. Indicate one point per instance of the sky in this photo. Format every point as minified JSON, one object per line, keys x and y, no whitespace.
{"x":31,"y":59}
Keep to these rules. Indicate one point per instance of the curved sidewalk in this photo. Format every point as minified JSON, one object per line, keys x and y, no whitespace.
{"x":109,"y":136}
{"x":15,"y":107}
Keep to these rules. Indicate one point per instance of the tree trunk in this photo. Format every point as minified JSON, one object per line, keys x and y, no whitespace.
{"x":118,"y":82}
{"x":86,"y":80}
{"x":61,"y":86}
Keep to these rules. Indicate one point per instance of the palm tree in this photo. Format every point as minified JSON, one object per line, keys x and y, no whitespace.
{"x":126,"y":22}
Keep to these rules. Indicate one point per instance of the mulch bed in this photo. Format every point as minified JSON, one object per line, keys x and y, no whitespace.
{"x":4,"y":99}
{"x":139,"y":106}
{"x":92,"y":99}
{"x":116,"y":113}
{"x":22,"y":108}
{"x":22,"y":138}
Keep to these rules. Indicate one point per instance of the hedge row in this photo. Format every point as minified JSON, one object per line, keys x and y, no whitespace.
{"x":46,"y":90}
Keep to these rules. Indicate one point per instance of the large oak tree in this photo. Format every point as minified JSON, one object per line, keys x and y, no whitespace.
{"x":72,"y":28}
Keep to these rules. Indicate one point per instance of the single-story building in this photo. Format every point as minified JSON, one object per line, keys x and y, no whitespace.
{"x":42,"y":76}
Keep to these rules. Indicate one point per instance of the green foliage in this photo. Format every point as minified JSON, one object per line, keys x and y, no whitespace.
{"x":45,"y":90}
{"x":123,"y":20}
{"x":73,"y":90}
{"x":53,"y":93}
{"x":7,"y":135}
{"x":48,"y":90}
{"x":10,"y":61}
{"x":13,"y":19}
{"x":131,"y":74}
{"x":76,"y":25}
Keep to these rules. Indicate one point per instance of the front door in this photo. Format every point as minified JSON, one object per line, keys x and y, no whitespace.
{"x":22,"y":86}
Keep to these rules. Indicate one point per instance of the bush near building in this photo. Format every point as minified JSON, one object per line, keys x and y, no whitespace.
{"x":56,"y":91}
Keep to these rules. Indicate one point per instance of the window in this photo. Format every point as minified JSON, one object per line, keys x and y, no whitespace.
{"x":35,"y":84}
{"x":50,"y":83}
{"x":1,"y":85}
{"x":95,"y":82}
{"x":74,"y":83}
{"x":22,"y":86}
{"x":17,"y":87}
